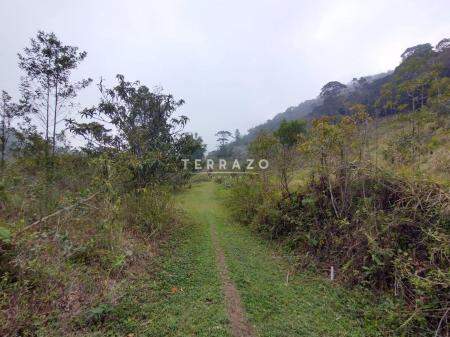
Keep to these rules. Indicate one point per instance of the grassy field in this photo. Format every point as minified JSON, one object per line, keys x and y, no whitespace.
{"x":182,"y":294}
{"x":304,"y":306}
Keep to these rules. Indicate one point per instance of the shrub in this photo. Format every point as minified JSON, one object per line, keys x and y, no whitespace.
{"x":394,"y":237}
{"x":149,"y":208}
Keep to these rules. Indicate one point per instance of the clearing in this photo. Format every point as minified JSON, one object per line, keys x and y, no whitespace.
{"x":247,"y":282}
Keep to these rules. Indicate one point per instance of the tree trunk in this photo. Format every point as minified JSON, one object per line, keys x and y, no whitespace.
{"x":3,"y":142}
{"x":54,"y":119}
{"x":48,"y":111}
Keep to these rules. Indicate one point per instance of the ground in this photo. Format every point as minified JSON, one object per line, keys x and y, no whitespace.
{"x":272,"y":303}
{"x":218,"y":278}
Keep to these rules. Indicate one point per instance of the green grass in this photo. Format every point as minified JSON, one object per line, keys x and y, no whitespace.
{"x":181,"y":295}
{"x":307,"y":306}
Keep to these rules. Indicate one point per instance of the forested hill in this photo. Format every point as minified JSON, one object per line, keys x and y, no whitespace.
{"x":424,"y":69}
{"x":294,"y":112}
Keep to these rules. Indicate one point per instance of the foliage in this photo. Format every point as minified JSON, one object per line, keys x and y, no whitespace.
{"x":77,"y":226}
{"x":289,"y":132}
{"x":48,"y":65}
{"x":380,"y":224}
{"x":9,"y":112}
{"x":420,"y":78}
{"x":144,"y":127}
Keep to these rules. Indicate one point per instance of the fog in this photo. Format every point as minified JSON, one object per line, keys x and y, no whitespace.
{"x":236,"y":63}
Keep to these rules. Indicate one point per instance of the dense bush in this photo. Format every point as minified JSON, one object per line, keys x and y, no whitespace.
{"x":148,"y":208}
{"x":370,"y":205}
{"x":57,"y":271}
{"x":394,"y":239}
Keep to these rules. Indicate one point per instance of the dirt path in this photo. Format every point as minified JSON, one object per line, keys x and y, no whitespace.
{"x":240,"y":327}
{"x":240,"y":289}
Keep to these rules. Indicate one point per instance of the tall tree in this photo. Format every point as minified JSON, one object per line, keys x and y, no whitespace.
{"x":419,"y":50}
{"x":237,"y":136}
{"x":143,"y":120}
{"x":223,"y":137}
{"x":443,"y":45}
{"x":47,"y":87}
{"x":8,"y":111}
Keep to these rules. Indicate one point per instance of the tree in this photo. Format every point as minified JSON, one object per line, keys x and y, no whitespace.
{"x":321,"y":147}
{"x":419,"y":50}
{"x":237,"y":136}
{"x":264,"y":146}
{"x":361,"y":119}
{"x":386,"y":99}
{"x":223,"y":137}
{"x":439,"y":93}
{"x":133,"y":119}
{"x":443,"y":45}
{"x":190,"y":146}
{"x":8,"y":112}
{"x":48,"y":65}
{"x":142,"y":119}
{"x":187,"y":146}
{"x":332,"y":88}
{"x":288,"y":135}
{"x":289,"y":132}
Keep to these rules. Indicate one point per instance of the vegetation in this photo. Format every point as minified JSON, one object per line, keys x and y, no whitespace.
{"x":278,"y":302}
{"x":93,"y":242}
{"x":371,"y":202}
{"x":379,"y":222}
{"x":77,"y":226}
{"x":421,"y":78}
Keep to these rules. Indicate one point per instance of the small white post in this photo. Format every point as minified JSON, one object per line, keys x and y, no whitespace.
{"x":332,"y":273}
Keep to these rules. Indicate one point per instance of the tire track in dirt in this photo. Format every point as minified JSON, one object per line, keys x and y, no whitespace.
{"x":240,"y":327}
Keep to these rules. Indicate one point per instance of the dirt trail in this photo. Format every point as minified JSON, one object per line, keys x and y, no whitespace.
{"x":251,"y":295}
{"x":240,"y":327}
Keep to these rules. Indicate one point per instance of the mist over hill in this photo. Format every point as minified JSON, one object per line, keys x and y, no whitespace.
{"x":401,"y":90}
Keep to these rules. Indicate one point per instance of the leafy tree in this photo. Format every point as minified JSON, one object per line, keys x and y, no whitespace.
{"x":134,"y":119}
{"x":386,"y":100}
{"x":190,"y":146}
{"x":142,"y":119}
{"x":419,"y":50}
{"x":289,"y":132}
{"x":332,"y":88}
{"x":223,"y":137}
{"x":361,"y":119}
{"x":333,"y":99}
{"x":328,"y":147}
{"x":288,"y":135}
{"x":48,"y":65}
{"x":237,"y":136}
{"x":444,"y":44}
{"x":439,"y":93}
{"x":264,"y":146}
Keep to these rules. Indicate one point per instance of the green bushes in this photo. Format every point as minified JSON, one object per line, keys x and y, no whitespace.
{"x":54,"y":274}
{"x":148,"y":208}
{"x":245,"y":198}
{"x":394,"y":238}
{"x":367,"y":206}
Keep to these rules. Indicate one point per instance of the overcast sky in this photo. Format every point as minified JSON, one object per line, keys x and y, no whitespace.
{"x":236,"y":63}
